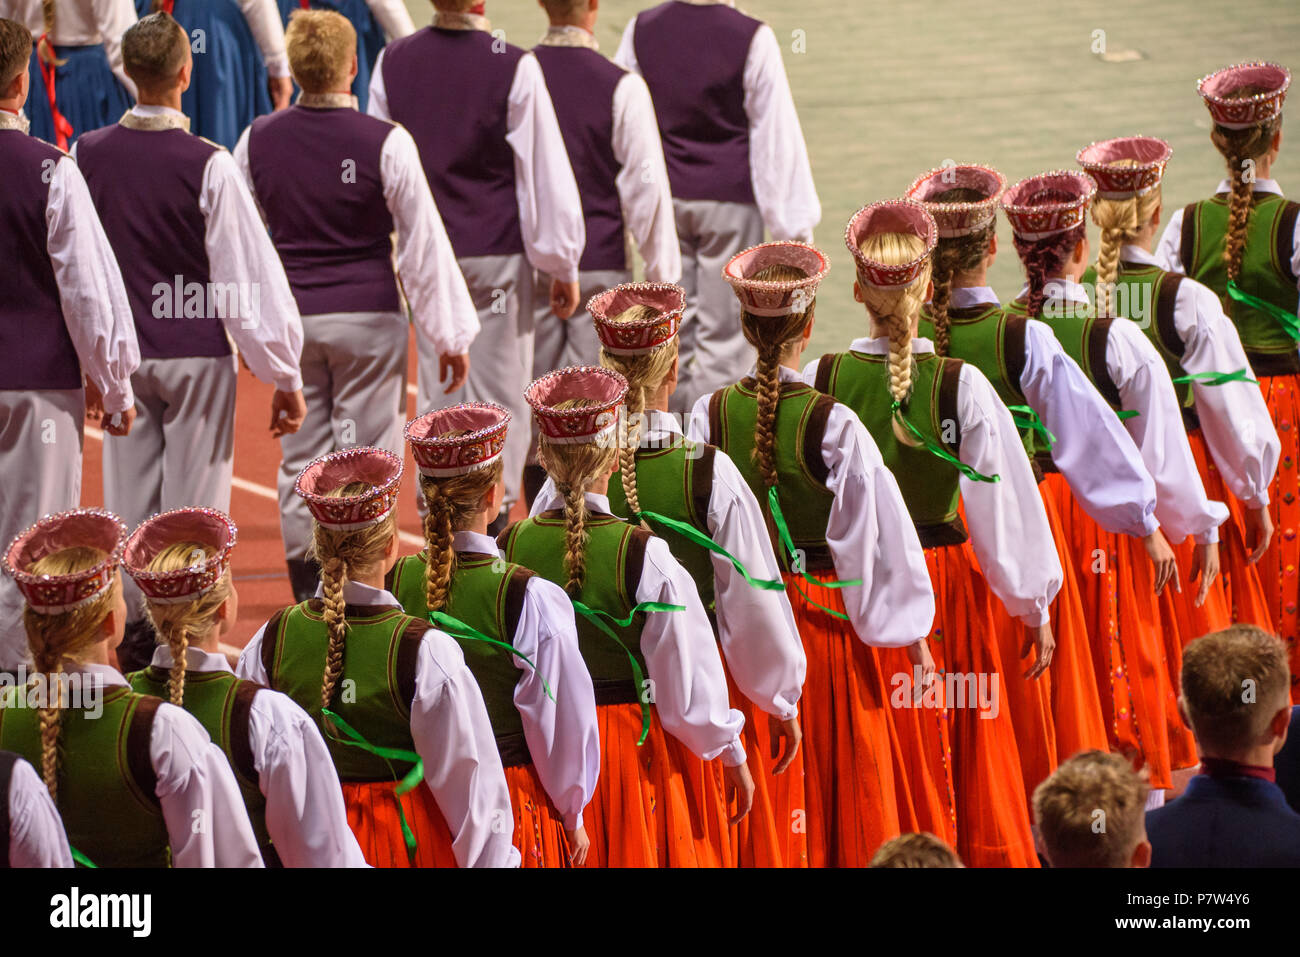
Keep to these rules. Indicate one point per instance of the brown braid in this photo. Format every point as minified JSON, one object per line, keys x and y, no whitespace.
{"x":575,"y":538}
{"x":1042,"y":259}
{"x":453,"y":503}
{"x":1237,"y":147}
{"x":951,"y":256}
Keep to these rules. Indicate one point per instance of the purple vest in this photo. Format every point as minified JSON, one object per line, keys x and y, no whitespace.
{"x":693,"y":60}
{"x":146,"y":185}
{"x":581,"y":83}
{"x":317,"y":177}
{"x":36,"y":351}
{"x":449,"y":88}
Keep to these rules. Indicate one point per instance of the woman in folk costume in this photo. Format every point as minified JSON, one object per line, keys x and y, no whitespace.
{"x":1122,"y":577}
{"x":132,"y":776}
{"x":661,"y":693}
{"x":830,"y":507}
{"x":530,"y":669}
{"x":78,"y":81}
{"x":1244,"y":243}
{"x":181,"y":561}
{"x":1224,"y":412}
{"x":241,"y":69}
{"x":376,"y":22}
{"x":402,"y":715}
{"x":692,"y":495}
{"x":951,"y":443}
{"x":1048,"y":394}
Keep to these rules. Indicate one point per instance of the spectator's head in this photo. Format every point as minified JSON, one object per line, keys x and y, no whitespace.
{"x":1091,"y":813}
{"x":322,"y":49}
{"x":15,"y":52}
{"x":573,"y":13}
{"x":1236,"y":694}
{"x":916,"y":850}
{"x":156,"y":56}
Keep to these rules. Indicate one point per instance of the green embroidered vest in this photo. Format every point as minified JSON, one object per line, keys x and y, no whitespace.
{"x":1265,"y":272}
{"x":801,"y":416}
{"x":488,"y":594}
{"x":375,"y":690}
{"x":929,"y":485}
{"x":107,"y":793}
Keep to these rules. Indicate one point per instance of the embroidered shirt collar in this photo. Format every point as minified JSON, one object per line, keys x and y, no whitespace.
{"x":1261,"y":186}
{"x":446,"y":20}
{"x":355,"y":593}
{"x":196,"y":659}
{"x":327,"y":101}
{"x":879,"y":346}
{"x":964,"y":297}
{"x":569,"y":36}
{"x":14,"y":121}
{"x":145,"y":116}
{"x":474,"y":542}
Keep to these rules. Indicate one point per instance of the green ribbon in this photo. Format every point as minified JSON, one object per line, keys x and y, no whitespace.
{"x":1126,"y":413}
{"x":454,"y":626}
{"x":1026,"y":418}
{"x":1287,"y":320}
{"x":82,"y":859}
{"x":796,"y":560}
{"x":704,"y":541}
{"x":937,"y":450}
{"x":1218,"y":378}
{"x":405,"y":784}
{"x":594,"y":615}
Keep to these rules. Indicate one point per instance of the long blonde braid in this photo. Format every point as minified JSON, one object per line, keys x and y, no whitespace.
{"x":178,"y":622}
{"x":1120,"y":221}
{"x":952,"y":255}
{"x":45,"y":47}
{"x":453,"y":501}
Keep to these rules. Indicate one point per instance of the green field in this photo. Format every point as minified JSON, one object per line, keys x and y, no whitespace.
{"x":889,"y":88}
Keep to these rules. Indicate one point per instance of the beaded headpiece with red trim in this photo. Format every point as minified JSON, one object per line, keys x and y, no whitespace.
{"x":376,"y":467}
{"x":440,"y":455}
{"x":590,"y":424}
{"x":890,"y":216}
{"x":952,"y":218}
{"x":769,"y":298}
{"x":85,"y":527}
{"x":1048,"y":204}
{"x":1247,"y":111}
{"x":1150,"y":157}
{"x":202,"y":526}
{"x":645,"y":335}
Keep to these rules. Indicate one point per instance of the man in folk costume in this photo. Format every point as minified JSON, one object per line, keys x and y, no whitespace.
{"x":64,"y":314}
{"x":609,"y":128}
{"x":204,"y":273}
{"x":505,"y":190}
{"x":332,"y":230}
{"x":736,"y":163}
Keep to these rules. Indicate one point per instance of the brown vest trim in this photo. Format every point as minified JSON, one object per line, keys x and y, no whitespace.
{"x":408,"y":654}
{"x":390,"y":578}
{"x":241,"y":743}
{"x":1098,"y":336}
{"x":825,"y":365}
{"x":949,"y":385}
{"x":814,"y":432}
{"x":1166,"y":302}
{"x":633,"y":563}
{"x":701,"y":491}
{"x":1044,"y":464}
{"x":817,"y":558}
{"x":615,"y":691}
{"x":943,"y":534}
{"x":715,"y":415}
{"x":1187,"y":244}
{"x":138,"y":737}
{"x":1286,"y":239}
{"x":513,"y":749}
{"x":270,"y":641}
{"x":1013,"y":350}
{"x":317,"y":607}
{"x":1274,"y":363}
{"x":516,"y":589}
{"x":505,"y":535}
{"x":8,"y":760}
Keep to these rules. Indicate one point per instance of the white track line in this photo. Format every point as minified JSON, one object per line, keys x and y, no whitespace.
{"x":262,"y":491}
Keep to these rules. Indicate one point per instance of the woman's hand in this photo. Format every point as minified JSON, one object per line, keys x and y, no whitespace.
{"x":741,"y":787}
{"x":791,"y":733}
{"x":1205,"y":562}
{"x":1162,"y":558}
{"x":579,"y":844}
{"x":1040,"y":636}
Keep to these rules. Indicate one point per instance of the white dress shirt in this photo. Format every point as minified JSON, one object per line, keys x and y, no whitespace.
{"x":305,"y":816}
{"x":760,"y":641}
{"x":779,"y":168}
{"x":550,"y":210}
{"x":80,"y":23}
{"x":562,"y":735}
{"x":870,"y":534}
{"x":264,"y":22}
{"x":207,"y":822}
{"x":393,"y":17}
{"x":36,"y":836}
{"x":434,"y":286}
{"x":1144,"y":385}
{"x":1096,"y":456}
{"x":92,"y":295}
{"x":1007,"y":520}
{"x":241,"y":252}
{"x":1234,"y":416}
{"x":451,"y":733}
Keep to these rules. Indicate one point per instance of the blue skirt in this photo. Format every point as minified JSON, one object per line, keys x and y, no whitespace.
{"x":370,"y":38}
{"x":228,"y":90}
{"x":86,"y":92}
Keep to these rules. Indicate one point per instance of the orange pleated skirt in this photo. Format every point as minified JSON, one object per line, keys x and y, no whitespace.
{"x":1127,"y":624}
{"x":645,"y":812}
{"x":539,"y":830}
{"x":1277,"y":568}
{"x":374,"y":819}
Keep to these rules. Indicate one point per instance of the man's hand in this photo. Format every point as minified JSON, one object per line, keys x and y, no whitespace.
{"x":1041,"y":636}
{"x":741,"y":787}
{"x":564,"y":298}
{"x":1205,"y":562}
{"x":791,"y":734}
{"x":288,"y":409}
{"x":281,"y":88}
{"x":1259,"y":532}
{"x":119,"y":423}
{"x":94,"y":404}
{"x":1163,"y":560}
{"x":454,"y":367}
